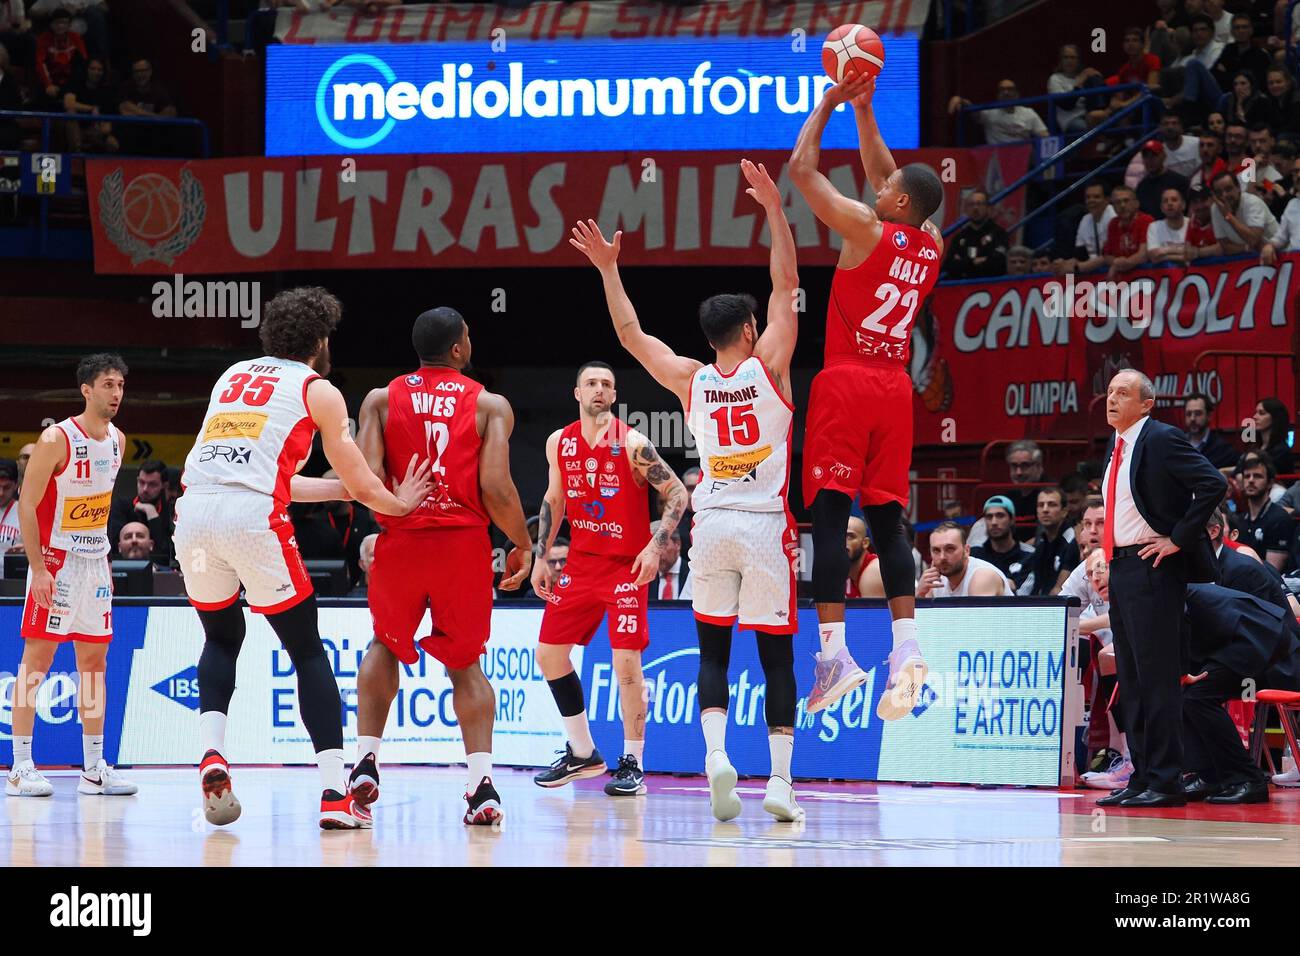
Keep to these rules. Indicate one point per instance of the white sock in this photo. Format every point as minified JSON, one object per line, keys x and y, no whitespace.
{"x":368,"y":745}
{"x":22,"y":750}
{"x":92,"y":750}
{"x":332,"y":775}
{"x":636,"y":748}
{"x":782,"y":749}
{"x":212,"y":731}
{"x":578,"y":731}
{"x":480,"y":766}
{"x":715,"y":732}
{"x":832,"y":639}
{"x":904,"y":630}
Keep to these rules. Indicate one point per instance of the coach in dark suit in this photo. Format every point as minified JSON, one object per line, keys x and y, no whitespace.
{"x":1159,"y":493}
{"x":1235,"y":638}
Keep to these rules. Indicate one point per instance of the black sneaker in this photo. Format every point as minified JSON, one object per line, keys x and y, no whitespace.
{"x":484,"y":805}
{"x":364,"y":782}
{"x":629,"y":779}
{"x":1103,"y":759}
{"x":569,"y":768}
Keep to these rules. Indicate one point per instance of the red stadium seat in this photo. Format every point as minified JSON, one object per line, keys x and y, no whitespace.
{"x":1287,"y":703}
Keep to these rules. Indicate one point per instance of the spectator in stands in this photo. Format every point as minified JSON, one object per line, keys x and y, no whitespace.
{"x":1001,"y":549}
{"x":673,"y":582}
{"x":1139,"y":67}
{"x":1221,"y":18}
{"x":1093,"y":229}
{"x":1055,"y":553}
{"x":1210,"y":160}
{"x":1008,"y":124}
{"x":558,"y":556}
{"x":16,"y":33}
{"x":11,"y":98}
{"x":352,"y":522}
{"x":367,"y":560}
{"x":1263,"y":176}
{"x":1197,"y":409}
{"x":1018,"y":260}
{"x":861,"y":558}
{"x":1077,"y":492}
{"x":1287,"y":237}
{"x":134,"y":543}
{"x":1278,"y":195}
{"x":88,"y":18}
{"x":1272,"y":434}
{"x":954,"y":573}
{"x":60,"y":55}
{"x":1217,"y":123}
{"x":1201,"y":241}
{"x":1079,"y":582}
{"x":1241,"y":55}
{"x":1126,"y":242}
{"x":152,"y":506}
{"x":1069,"y":77}
{"x":1241,"y":221}
{"x":1024,"y":467}
{"x":1244,"y":104}
{"x":1157,"y":178}
{"x":1236,"y":143}
{"x":24,"y":456}
{"x":979,"y":249}
{"x":1182,"y":152}
{"x":317,"y":538}
{"x":1167,"y":236}
{"x":1042,"y":261}
{"x":1266,"y":526}
{"x":1285,"y":99}
{"x":90,"y":94}
{"x":11,"y":532}
{"x":143,"y":97}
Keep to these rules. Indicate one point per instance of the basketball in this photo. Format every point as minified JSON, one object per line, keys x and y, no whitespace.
{"x":852,"y":49}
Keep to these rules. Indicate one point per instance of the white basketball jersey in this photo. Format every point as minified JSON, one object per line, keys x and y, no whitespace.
{"x":257,"y":431}
{"x":943,"y":590}
{"x":741,"y":423}
{"x":73,"y":513}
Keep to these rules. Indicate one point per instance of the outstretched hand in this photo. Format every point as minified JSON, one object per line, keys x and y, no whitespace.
{"x":761,"y":186}
{"x":850,"y":88}
{"x":590,"y":241}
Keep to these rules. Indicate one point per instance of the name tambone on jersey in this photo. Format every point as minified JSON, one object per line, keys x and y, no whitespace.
{"x":73,"y":513}
{"x":874,"y":305}
{"x":257,"y":431}
{"x":742,"y":425}
{"x":608,"y":510}
{"x":433,"y":414}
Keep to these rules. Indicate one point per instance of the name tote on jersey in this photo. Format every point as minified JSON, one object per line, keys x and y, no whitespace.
{"x":73,"y":513}
{"x":742,"y":424}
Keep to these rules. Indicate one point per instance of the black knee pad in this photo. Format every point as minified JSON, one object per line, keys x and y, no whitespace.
{"x":830,"y":571}
{"x":897,"y":570}
{"x":715,"y":658}
{"x":567,"y":691}
{"x":776,"y":654}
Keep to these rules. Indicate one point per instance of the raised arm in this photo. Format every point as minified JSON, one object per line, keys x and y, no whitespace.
{"x":669,"y":369}
{"x":548,"y":518}
{"x":500,"y":497}
{"x":776,"y":345}
{"x":646,"y":462}
{"x":877,"y":160}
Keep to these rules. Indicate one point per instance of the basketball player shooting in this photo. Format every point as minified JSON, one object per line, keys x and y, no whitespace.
{"x":859,"y":429}
{"x":439,"y":557}
{"x":740,"y":410}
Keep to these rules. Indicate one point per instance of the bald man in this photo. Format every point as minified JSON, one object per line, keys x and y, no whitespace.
{"x":134,"y":542}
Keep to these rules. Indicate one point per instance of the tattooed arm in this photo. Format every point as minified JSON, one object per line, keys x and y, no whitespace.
{"x":647,"y":464}
{"x":548,"y":519}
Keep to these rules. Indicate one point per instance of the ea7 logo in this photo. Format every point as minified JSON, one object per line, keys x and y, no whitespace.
{"x":77,"y":909}
{"x":841,"y":471}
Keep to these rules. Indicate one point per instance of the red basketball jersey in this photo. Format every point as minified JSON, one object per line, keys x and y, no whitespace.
{"x":608,"y":512}
{"x":874,"y":305}
{"x":432,"y":413}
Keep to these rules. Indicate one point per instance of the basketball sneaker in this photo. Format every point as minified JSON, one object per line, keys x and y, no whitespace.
{"x":569,"y":768}
{"x":629,"y":779}
{"x":907,"y":672}
{"x":1115,"y":777}
{"x":484,"y":805}
{"x":219,"y":804}
{"x":338,"y":811}
{"x":25,"y":780}
{"x":364,"y":782}
{"x":1103,"y":760}
{"x":832,"y":679}
{"x":722,"y":787}
{"x":103,"y":780}
{"x":779,"y":801}
{"x":1290,"y":775}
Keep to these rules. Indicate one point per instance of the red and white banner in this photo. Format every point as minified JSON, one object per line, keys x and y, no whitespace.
{"x":256,"y":214}
{"x":992,"y":360}
{"x":600,"y":19}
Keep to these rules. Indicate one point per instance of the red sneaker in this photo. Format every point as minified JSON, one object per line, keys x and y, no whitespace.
{"x":219,"y":804}
{"x":339,"y":812}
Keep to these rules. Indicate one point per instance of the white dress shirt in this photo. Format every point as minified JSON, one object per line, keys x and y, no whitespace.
{"x":1091,"y":233}
{"x":1287,"y":237}
{"x":1130,"y":526}
{"x":681,"y":592}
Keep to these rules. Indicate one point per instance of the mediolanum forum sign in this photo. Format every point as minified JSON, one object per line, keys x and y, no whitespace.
{"x":568,"y":97}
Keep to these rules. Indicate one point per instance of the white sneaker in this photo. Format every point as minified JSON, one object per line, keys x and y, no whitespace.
{"x":907,"y":673}
{"x":1115,"y":778}
{"x":104,"y":781}
{"x":25,"y":780}
{"x":722,"y":786}
{"x":779,"y":801}
{"x":1290,"y":775}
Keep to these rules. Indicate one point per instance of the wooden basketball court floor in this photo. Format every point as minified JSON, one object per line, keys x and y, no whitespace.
{"x":418,"y":823}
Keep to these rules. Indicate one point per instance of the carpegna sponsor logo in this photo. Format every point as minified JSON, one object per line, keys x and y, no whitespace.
{"x":76,"y":909}
{"x":85,"y":512}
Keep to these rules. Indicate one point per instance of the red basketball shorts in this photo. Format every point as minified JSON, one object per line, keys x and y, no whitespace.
{"x":858,"y":438}
{"x":446,"y":571}
{"x":591,"y":586}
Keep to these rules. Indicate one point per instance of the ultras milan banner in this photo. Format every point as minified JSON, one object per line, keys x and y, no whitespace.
{"x":256,"y":214}
{"x":992,"y":360}
{"x":554,"y":20}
